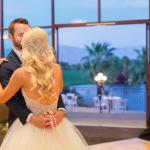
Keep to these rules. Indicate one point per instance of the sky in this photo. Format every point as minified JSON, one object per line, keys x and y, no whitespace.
{"x":118,"y":36}
{"x":67,"y":11}
{"x":38,"y":12}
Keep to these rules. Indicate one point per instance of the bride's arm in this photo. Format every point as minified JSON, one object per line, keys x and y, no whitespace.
{"x":1,"y":89}
{"x":15,"y":83}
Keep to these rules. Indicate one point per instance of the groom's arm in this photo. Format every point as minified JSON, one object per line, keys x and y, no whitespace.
{"x":61,"y":105}
{"x":60,"y":114}
{"x":58,"y":70}
{"x":16,"y":104}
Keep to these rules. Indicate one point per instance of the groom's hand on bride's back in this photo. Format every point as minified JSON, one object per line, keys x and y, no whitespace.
{"x":44,"y":121}
{"x":39,"y":120}
{"x":2,"y":60}
{"x":56,"y":118}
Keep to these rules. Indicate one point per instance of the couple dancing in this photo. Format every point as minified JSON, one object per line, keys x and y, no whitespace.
{"x":37,"y":122}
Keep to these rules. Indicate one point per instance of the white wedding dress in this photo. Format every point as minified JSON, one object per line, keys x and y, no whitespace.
{"x":29,"y":137}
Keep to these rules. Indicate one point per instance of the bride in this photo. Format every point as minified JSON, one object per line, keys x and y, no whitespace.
{"x":40,"y":79}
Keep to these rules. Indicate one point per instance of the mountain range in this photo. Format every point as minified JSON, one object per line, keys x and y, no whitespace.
{"x":73,"y":55}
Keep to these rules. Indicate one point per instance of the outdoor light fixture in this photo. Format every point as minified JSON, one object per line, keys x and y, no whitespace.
{"x":100,"y":79}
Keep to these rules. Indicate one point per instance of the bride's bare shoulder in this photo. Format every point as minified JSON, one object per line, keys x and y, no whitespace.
{"x":56,"y":66}
{"x":20,"y":72}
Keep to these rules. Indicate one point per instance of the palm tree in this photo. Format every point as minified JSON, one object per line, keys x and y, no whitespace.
{"x":123,"y":71}
{"x":98,"y":58}
{"x":137,"y":68}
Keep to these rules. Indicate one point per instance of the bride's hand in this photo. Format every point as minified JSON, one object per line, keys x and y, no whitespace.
{"x":2,"y":60}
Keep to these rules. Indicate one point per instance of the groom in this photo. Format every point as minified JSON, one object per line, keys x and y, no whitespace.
{"x":17,"y":106}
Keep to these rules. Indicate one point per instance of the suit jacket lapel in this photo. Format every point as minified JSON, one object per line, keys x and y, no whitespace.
{"x":14,"y":58}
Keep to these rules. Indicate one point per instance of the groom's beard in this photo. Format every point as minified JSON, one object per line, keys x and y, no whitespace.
{"x":17,"y":45}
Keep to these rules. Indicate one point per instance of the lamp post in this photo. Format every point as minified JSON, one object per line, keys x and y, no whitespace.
{"x":100,"y":78}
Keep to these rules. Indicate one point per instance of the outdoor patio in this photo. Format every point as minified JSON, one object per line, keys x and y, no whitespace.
{"x":92,"y":117}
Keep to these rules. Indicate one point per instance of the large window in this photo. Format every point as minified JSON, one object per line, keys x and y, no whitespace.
{"x":7,"y":44}
{"x":85,"y":51}
{"x":37,"y":12}
{"x":67,"y":11}
{"x":118,"y":51}
{"x":113,"y":10}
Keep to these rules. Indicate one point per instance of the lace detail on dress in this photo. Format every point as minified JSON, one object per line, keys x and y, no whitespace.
{"x":36,"y":107}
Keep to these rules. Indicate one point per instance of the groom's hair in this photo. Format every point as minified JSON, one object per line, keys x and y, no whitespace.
{"x":17,"y":20}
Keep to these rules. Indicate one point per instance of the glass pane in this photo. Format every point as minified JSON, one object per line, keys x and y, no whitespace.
{"x":49,"y":32}
{"x":113,"y":10}
{"x":78,"y":11}
{"x":111,"y":50}
{"x":37,"y":12}
{"x":8,"y":45}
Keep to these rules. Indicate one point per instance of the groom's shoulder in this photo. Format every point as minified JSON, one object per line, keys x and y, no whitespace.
{"x":10,"y":56}
{"x":7,"y":64}
{"x":5,"y":67}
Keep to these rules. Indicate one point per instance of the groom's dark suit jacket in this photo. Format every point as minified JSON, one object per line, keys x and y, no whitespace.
{"x":17,"y":106}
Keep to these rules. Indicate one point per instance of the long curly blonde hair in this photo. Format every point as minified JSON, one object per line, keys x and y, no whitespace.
{"x":38,"y":59}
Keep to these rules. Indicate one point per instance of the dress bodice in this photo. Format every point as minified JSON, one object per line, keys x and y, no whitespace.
{"x":36,"y":107}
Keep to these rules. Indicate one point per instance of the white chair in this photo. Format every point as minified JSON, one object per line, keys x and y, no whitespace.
{"x":119,"y":104}
{"x":64,"y":98}
{"x":123,"y":104}
{"x":96,"y":101}
{"x":75,"y":100}
{"x":71,"y":101}
{"x":104,"y":103}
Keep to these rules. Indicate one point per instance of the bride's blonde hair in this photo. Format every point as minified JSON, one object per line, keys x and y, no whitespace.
{"x":37,"y":60}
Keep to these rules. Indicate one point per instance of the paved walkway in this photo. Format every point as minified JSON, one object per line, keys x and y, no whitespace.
{"x":92,"y":117}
